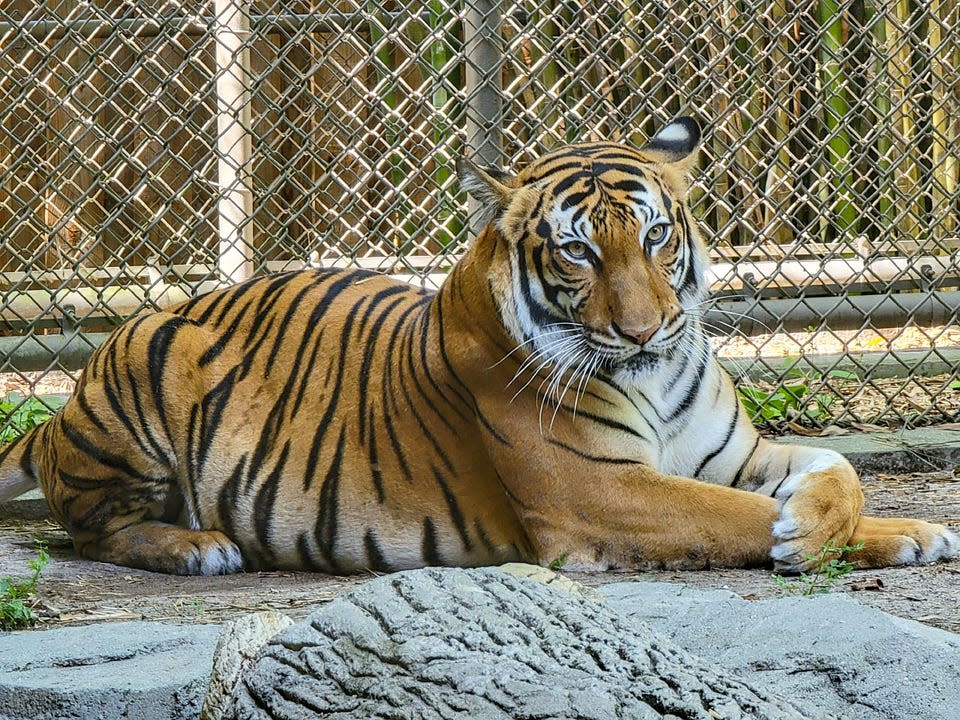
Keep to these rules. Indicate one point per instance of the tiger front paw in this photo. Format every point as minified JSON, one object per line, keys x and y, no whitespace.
{"x":814,"y":513}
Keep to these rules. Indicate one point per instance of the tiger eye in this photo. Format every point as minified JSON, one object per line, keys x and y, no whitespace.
{"x":656,"y":233}
{"x":575,"y":249}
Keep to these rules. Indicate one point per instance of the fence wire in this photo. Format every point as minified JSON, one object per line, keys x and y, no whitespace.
{"x":154,"y":149}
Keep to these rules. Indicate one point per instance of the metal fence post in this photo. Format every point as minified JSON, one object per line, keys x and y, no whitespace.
{"x":231,"y":27}
{"x":483,"y":86}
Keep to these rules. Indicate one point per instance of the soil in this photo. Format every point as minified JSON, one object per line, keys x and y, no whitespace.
{"x":77,"y":591}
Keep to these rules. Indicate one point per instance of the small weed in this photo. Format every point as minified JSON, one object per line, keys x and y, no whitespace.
{"x":829,"y":569}
{"x":18,"y":415}
{"x":791,"y":398}
{"x":557,"y":563}
{"x":15,"y":614}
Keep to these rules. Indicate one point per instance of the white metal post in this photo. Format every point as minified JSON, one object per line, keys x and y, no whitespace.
{"x":231,"y":28}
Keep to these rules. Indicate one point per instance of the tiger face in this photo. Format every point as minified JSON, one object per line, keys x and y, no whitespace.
{"x":602,"y":268}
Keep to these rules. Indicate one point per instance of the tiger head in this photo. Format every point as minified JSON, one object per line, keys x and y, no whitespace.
{"x":601,"y":266}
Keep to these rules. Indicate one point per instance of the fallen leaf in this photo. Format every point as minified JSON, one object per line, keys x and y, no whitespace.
{"x":870,"y":584}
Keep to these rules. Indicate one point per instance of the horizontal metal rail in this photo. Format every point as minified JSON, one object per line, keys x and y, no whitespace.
{"x":852,"y":312}
{"x":193,"y":26}
{"x":130,"y":289}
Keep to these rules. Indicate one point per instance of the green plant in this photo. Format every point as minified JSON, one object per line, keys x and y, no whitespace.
{"x":18,"y":415}
{"x":14,"y":594}
{"x":828,"y":569}
{"x":790,"y":398}
{"x":557,"y":563}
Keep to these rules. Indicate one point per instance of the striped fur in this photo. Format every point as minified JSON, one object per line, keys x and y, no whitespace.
{"x":557,"y":398}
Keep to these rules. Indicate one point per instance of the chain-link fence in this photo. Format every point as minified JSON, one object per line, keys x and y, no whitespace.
{"x":150,"y":150}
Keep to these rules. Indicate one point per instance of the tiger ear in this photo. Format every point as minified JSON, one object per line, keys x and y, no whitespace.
{"x":676,"y":144}
{"x":490,"y":187}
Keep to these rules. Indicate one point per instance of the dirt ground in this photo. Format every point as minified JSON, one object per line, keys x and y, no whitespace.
{"x":75,"y":591}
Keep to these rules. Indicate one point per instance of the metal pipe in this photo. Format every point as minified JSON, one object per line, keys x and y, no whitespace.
{"x":231,"y":31}
{"x":852,"y":312}
{"x":793,"y":277}
{"x":874,"y":364}
{"x":28,"y":353}
{"x":332,"y":22}
{"x":483,"y":87}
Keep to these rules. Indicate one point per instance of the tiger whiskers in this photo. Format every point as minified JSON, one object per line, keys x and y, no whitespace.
{"x":585,"y":369}
{"x":554,"y":329}
{"x":546,"y":355}
{"x":555,"y":378}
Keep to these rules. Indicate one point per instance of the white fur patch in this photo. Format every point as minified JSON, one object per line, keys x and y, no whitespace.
{"x":674,"y":132}
{"x":945,"y":547}
{"x":221,"y":560}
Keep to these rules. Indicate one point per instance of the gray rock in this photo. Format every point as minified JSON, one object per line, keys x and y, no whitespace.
{"x":483,"y":644}
{"x":854,"y":661}
{"x":131,"y":670}
{"x":239,"y":642}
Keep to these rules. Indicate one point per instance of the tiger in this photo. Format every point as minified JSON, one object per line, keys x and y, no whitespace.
{"x":556,"y":399}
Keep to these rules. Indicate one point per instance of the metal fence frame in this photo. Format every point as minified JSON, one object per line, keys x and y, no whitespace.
{"x":55,"y":314}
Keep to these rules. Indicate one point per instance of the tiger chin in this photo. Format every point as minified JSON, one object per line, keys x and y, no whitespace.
{"x":557,"y":397}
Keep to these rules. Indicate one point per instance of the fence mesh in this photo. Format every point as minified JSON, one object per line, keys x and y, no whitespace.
{"x":151,"y":150}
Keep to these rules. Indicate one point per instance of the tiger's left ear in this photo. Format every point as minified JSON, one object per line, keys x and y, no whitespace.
{"x":490,"y":187}
{"x":675,"y":144}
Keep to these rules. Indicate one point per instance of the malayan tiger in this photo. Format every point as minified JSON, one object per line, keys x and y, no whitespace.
{"x":557,"y":398}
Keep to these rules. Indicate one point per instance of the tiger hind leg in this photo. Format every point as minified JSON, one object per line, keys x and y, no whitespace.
{"x":162,"y":547}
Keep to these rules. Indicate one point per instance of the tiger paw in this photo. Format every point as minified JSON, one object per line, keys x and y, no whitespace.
{"x":813,"y":515}
{"x":902,"y":541}
{"x":166,"y":548}
{"x":213,"y":554}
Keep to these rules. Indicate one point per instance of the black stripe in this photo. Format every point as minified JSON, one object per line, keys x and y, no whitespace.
{"x":81,"y":398}
{"x":630,"y":186}
{"x":463,"y":394}
{"x":293,"y":308}
{"x":484,"y":538}
{"x":372,"y":453}
{"x":220,"y":344}
{"x":193,"y":439}
{"x":158,"y":352}
{"x":375,"y":559}
{"x":428,"y":544}
{"x":326,"y":528}
{"x":456,"y":514}
{"x":369,"y":349}
{"x":102,"y":456}
{"x":157,"y":452}
{"x":458,"y":409}
{"x":723,"y":445}
{"x":783,"y":479}
{"x":228,"y":496}
{"x":263,"y":507}
{"x":564,"y":165}
{"x":488,"y":426}
{"x":213,"y":405}
{"x":421,"y":423}
{"x":304,"y":556}
{"x":738,"y":478}
{"x":412,"y":366}
{"x":692,"y":392}
{"x":593,"y":458}
{"x":335,"y":396}
{"x":606,"y":422}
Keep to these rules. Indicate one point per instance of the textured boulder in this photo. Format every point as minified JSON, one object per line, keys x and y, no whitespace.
{"x":239,"y":642}
{"x":449,"y":643}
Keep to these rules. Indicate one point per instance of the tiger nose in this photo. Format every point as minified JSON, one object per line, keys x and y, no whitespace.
{"x":639,"y":336}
